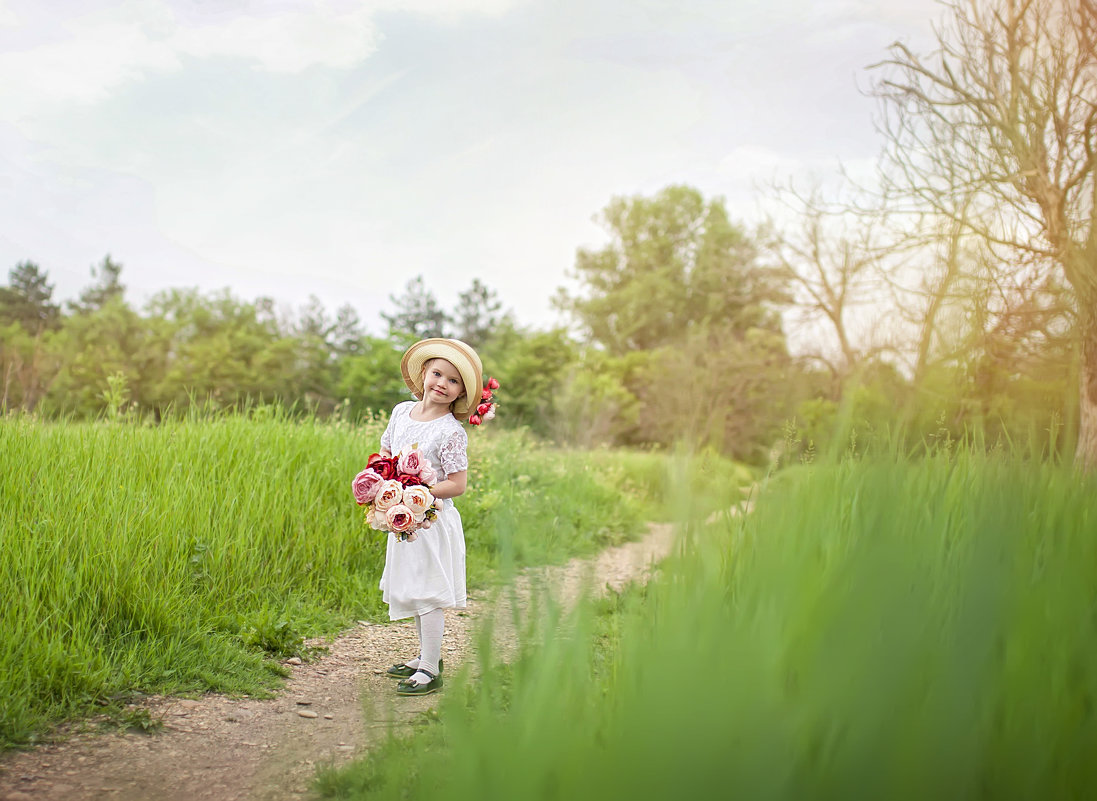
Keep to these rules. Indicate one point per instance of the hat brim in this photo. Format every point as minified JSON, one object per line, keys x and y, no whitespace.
{"x":457,"y":353}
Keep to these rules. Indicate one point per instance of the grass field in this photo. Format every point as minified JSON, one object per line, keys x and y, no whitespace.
{"x":875,"y":629}
{"x":189,"y":556}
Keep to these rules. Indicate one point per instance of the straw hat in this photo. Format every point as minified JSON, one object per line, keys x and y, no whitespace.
{"x":457,"y":353}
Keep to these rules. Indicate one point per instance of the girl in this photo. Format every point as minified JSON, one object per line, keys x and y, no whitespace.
{"x":426,"y":573}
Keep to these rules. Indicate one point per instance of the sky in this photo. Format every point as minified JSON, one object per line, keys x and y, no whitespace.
{"x":340,"y":148}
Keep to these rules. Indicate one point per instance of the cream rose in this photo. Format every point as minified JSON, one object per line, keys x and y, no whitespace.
{"x":418,"y":499}
{"x":389,"y":494}
{"x":376,"y":519}
{"x":400,"y":518}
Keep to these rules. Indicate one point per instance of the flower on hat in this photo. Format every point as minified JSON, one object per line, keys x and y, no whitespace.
{"x":486,"y":408}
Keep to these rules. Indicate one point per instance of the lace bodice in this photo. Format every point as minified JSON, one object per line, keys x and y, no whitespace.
{"x":443,"y":441}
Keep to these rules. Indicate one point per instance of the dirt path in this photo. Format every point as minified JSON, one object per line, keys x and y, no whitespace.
{"x":245,"y":749}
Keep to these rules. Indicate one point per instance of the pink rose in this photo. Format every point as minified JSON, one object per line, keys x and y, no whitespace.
{"x":365,"y":486}
{"x":388,"y":495}
{"x":411,"y":463}
{"x":400,"y":518}
{"x":418,"y":499}
{"x":427,"y":474}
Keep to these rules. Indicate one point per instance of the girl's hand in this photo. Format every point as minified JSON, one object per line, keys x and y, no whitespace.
{"x":451,"y":486}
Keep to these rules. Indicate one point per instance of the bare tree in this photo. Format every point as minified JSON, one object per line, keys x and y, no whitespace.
{"x":830,"y":258}
{"x":1004,"y":115}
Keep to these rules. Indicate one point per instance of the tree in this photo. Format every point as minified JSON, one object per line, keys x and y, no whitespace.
{"x":830,"y":258}
{"x":108,"y":288}
{"x":417,"y":315}
{"x":533,"y":367}
{"x":370,"y":379}
{"x":594,"y":405}
{"x":28,"y":319}
{"x":29,"y":365}
{"x":477,"y":314}
{"x":28,"y":299}
{"x":219,"y":349}
{"x":677,"y":283}
{"x":1004,"y":114}
{"x":346,"y":332}
{"x":315,"y":357}
{"x":100,"y":344}
{"x":720,"y":386}
{"x":674,"y":262}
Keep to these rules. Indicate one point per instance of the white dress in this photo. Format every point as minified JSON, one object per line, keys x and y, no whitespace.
{"x":429,"y":572}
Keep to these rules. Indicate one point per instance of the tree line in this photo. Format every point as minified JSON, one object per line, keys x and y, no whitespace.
{"x":676,"y":329}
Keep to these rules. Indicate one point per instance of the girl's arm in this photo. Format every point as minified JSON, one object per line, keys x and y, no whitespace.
{"x":453,"y":485}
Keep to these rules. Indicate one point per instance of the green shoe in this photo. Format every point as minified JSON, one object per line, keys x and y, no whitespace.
{"x":409,"y":687}
{"x":402,"y":671}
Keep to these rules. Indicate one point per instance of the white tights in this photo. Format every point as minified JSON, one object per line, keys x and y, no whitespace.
{"x":430,"y":627}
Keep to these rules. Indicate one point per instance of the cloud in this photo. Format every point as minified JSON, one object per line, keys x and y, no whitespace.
{"x":98,"y":52}
{"x":748,"y":174}
{"x":746,"y":164}
{"x":84,"y":58}
{"x":449,"y":10}
{"x":288,"y":41}
{"x":82,"y":69}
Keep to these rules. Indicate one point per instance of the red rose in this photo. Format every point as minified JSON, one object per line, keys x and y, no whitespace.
{"x":475,"y":420}
{"x":386,"y":468}
{"x":408,"y":480}
{"x":486,"y":394}
{"x":493,"y":384}
{"x":482,"y":409}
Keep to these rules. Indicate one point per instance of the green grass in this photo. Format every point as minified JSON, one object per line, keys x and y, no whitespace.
{"x":184,"y":557}
{"x":876,"y":629}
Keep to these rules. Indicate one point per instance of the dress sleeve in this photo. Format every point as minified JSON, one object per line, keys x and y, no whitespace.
{"x":386,"y":438}
{"x":454,"y":452}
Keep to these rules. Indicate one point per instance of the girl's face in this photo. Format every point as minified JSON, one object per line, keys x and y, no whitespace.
{"x":442,"y":384}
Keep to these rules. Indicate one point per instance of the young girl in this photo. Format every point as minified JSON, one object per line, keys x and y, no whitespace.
{"x":426,"y":573}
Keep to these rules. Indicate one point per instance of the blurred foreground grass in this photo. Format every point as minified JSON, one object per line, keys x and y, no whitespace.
{"x":183,"y":557}
{"x":875,"y":629}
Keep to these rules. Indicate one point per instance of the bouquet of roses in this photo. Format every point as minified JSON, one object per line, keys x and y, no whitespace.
{"x":394,"y":492}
